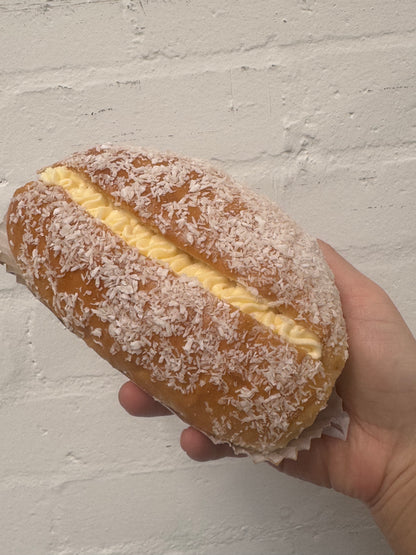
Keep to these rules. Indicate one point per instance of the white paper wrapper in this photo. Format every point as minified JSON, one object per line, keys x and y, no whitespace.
{"x":332,"y":421}
{"x":6,"y":256}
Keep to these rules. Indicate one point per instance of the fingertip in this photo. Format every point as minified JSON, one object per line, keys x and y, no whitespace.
{"x":347,"y":276}
{"x":138,"y":403}
{"x":331,"y":255}
{"x":197,"y":446}
{"x":201,"y":449}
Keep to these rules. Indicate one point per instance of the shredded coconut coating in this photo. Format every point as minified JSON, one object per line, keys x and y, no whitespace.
{"x":207,"y":214}
{"x":213,"y":365}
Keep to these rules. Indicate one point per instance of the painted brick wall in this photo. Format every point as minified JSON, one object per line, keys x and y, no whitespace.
{"x":312,"y":103}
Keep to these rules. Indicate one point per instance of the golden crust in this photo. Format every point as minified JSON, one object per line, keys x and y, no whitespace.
{"x":240,"y":234}
{"x":214,"y":366}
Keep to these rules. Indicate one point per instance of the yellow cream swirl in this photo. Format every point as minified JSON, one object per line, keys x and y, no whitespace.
{"x":155,"y":246}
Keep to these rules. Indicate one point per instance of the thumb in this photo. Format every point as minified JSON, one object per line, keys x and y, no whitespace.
{"x":346,"y":275}
{"x":352,"y":285}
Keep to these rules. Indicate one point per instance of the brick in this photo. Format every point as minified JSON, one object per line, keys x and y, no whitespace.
{"x":204,"y":28}
{"x":106,"y":513}
{"x":193,"y":527}
{"x":26,"y":520}
{"x":120,"y":113}
{"x":234,"y":113}
{"x":36,"y":35}
{"x":73,"y":435}
{"x":16,"y":360}
{"x":362,"y":202}
{"x":345,"y":98}
{"x":148,"y":30}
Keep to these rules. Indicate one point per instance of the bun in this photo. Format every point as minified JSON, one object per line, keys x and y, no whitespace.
{"x":203,"y":293}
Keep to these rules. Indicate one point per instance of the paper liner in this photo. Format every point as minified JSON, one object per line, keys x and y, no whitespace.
{"x":6,"y":256}
{"x":332,"y":421}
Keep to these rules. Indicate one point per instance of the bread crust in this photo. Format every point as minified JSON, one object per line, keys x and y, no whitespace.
{"x":216,"y":367}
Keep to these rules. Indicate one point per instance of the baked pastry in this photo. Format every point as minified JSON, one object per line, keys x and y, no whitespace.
{"x":203,"y":293}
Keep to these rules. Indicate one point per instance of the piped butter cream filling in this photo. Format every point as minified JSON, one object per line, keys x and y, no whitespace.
{"x":155,"y":246}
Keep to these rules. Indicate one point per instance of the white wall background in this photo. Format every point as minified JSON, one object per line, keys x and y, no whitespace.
{"x":312,"y":103}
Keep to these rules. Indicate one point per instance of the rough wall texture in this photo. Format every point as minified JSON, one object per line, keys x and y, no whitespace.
{"x":312,"y":103}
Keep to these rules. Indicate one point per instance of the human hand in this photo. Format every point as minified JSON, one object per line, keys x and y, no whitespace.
{"x":377,"y":462}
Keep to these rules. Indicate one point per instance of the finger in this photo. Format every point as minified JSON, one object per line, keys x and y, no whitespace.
{"x":358,"y":292}
{"x":346,"y":275}
{"x":138,"y":403}
{"x":199,"y":448}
